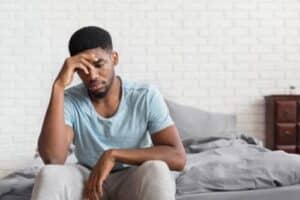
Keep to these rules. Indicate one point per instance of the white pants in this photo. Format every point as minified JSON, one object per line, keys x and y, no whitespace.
{"x":151,"y":180}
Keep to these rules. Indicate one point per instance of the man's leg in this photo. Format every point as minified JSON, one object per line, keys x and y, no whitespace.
{"x":152,"y":180}
{"x":60,"y":182}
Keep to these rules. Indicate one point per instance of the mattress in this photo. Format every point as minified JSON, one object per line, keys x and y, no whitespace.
{"x":278,"y":193}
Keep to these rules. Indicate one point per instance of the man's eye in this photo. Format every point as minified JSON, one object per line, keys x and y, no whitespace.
{"x":98,"y":65}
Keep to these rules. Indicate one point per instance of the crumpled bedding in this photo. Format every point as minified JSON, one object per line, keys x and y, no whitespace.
{"x":18,"y":185}
{"x":213,"y":164}
{"x":236,"y":163}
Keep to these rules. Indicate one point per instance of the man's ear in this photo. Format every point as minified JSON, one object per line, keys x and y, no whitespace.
{"x":115,"y":57}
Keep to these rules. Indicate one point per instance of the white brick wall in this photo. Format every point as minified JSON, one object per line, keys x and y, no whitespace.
{"x":218,"y":55}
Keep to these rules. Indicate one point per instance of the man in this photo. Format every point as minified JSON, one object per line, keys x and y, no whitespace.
{"x":125,"y":140}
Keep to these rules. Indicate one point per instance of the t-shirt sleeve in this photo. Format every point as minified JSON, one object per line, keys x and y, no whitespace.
{"x":158,"y":112}
{"x":68,"y":110}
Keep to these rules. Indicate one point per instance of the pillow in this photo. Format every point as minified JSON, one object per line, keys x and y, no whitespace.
{"x":195,"y":123}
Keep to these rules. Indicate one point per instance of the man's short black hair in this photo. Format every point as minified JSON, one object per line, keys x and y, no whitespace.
{"x":89,"y":37}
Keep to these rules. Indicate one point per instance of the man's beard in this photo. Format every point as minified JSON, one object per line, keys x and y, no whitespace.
{"x":102,"y":94}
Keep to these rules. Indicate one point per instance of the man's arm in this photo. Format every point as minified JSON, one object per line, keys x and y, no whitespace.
{"x":56,"y":136}
{"x":167,"y":147}
{"x":167,"y":143}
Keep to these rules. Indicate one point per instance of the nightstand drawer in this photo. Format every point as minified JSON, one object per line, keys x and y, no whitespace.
{"x":283,"y":122}
{"x":286,"y":134}
{"x":286,"y":111}
{"x":298,"y":111}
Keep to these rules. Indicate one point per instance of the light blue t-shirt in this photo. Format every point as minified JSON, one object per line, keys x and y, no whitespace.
{"x":141,"y":112}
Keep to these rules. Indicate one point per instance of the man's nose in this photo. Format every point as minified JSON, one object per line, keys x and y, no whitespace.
{"x":93,"y":74}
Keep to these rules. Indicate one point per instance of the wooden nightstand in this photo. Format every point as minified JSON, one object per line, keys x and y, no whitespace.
{"x":283,"y":122}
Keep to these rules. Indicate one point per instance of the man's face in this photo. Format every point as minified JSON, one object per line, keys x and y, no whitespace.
{"x":101,"y":76}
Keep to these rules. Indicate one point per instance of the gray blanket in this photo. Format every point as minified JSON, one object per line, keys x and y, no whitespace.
{"x":213,"y":164}
{"x":240,"y":163}
{"x":18,"y":185}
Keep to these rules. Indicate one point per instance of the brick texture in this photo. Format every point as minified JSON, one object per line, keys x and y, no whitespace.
{"x":220,"y":56}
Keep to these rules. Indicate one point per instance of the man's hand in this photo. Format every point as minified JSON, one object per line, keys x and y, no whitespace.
{"x":94,"y":186}
{"x":80,"y":61}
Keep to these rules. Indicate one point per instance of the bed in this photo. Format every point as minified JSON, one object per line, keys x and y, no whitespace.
{"x":231,"y":169}
{"x":222,"y":163}
{"x":280,"y":193}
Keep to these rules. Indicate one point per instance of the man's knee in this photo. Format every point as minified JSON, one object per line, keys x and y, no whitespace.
{"x":51,"y":173}
{"x":157,"y":181}
{"x":51,"y":170}
{"x":156,"y":171}
{"x":155,"y":167}
{"x":58,"y":182}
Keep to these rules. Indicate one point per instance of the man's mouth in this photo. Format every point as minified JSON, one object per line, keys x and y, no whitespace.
{"x":96,"y":86}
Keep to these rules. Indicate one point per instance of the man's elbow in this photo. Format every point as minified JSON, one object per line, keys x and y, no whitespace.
{"x":53,"y":161}
{"x":180,"y":161}
{"x":50,"y":158}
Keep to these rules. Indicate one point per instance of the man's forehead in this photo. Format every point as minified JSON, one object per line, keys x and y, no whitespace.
{"x":98,"y":52}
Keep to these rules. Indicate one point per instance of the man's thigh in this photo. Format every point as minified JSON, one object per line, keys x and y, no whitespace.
{"x":60,"y":182}
{"x":150,"y":181}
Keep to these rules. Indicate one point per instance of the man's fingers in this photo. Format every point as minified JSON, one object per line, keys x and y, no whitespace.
{"x":87,"y":64}
{"x":96,"y":196}
{"x":95,"y":187}
{"x":80,"y":66}
{"x":99,"y":188}
{"x":87,"y":190}
{"x":91,"y":57}
{"x":92,"y":192}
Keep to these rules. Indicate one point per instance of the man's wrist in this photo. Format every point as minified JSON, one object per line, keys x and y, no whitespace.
{"x":58,"y":86}
{"x":112,"y":154}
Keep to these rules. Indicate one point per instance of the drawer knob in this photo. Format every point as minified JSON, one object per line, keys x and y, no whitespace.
{"x":287,"y":132}
{"x":286,"y":112}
